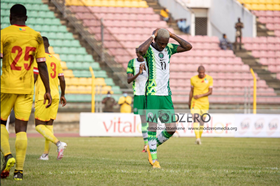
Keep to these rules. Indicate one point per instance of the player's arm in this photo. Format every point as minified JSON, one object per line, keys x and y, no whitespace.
{"x":131,"y":77}
{"x":204,"y":95}
{"x":207,"y":93}
{"x":183,"y":44}
{"x":143,"y":48}
{"x":190,"y":97}
{"x":62,"y":87}
{"x":43,"y":71}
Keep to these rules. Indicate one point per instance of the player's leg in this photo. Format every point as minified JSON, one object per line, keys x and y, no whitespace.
{"x":45,"y":155}
{"x":152,"y":143}
{"x":42,"y":129}
{"x":195,"y":113}
{"x":144,"y":128}
{"x":170,"y":123}
{"x":43,"y":114}
{"x":22,"y":108}
{"x":203,"y":116}
{"x":7,"y":103}
{"x":139,"y":106}
{"x":21,"y":146}
{"x":152,"y":105}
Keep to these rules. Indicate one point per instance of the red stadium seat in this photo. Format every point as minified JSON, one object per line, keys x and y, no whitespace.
{"x":247,"y":39}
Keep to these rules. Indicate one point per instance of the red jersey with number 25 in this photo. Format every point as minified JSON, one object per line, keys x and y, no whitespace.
{"x":55,"y":70}
{"x":20,"y":46}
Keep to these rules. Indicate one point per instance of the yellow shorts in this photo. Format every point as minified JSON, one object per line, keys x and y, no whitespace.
{"x":199,"y":107}
{"x":46,"y":114}
{"x":21,"y":103}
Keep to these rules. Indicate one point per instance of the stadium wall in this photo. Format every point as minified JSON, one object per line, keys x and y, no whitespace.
{"x":224,"y":14}
{"x":220,"y":125}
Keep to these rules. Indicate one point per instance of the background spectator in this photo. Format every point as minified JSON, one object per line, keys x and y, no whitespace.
{"x":238,"y":34}
{"x":125,"y":102}
{"x":182,"y":24}
{"x":109,"y":103}
{"x":164,"y":14}
{"x":224,"y":43}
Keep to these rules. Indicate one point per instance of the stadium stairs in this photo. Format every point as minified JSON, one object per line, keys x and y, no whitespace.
{"x":268,"y":15}
{"x":172,"y":22}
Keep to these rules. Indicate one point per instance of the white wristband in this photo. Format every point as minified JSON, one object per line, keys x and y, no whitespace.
{"x":153,"y":36}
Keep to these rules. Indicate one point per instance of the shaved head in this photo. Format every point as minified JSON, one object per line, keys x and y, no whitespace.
{"x":18,"y":14}
{"x":201,"y":67}
{"x":163,"y":33}
{"x":201,"y":71}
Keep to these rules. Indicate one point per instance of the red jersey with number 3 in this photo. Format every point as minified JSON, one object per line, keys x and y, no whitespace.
{"x":55,"y":70}
{"x":20,"y":46}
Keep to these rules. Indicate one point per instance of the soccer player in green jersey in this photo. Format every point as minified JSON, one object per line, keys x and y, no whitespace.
{"x":158,"y":93}
{"x":137,"y":72}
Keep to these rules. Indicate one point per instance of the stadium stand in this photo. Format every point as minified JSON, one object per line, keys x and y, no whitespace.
{"x":127,"y":24}
{"x":261,"y":4}
{"x":74,"y":59}
{"x":266,"y":48}
{"x":129,"y":29}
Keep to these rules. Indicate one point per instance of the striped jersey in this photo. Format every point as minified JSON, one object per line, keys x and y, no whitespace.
{"x":139,"y":84}
{"x":159,"y":67}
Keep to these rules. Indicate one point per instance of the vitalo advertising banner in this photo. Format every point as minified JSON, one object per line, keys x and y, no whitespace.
{"x":218,"y":125}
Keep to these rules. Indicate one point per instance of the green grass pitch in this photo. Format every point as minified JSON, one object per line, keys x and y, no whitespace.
{"x":119,"y":161}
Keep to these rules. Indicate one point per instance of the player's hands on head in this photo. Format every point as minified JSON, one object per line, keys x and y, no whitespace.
{"x":48,"y":97}
{"x":63,"y":101}
{"x":155,"y":32}
{"x":170,"y":33}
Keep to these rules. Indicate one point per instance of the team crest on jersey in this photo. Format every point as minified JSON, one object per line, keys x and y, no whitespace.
{"x":161,"y":55}
{"x":21,"y":29}
{"x":206,"y":80}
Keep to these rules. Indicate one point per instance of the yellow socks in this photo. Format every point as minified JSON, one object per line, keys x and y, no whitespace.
{"x":47,"y":142}
{"x":5,"y":146}
{"x":196,"y":130}
{"x":200,"y":131}
{"x":21,"y":146}
{"x":42,"y":129}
